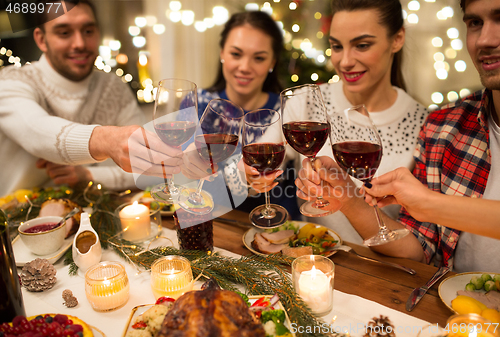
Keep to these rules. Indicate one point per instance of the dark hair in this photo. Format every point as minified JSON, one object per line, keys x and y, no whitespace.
{"x":42,"y":18}
{"x":462,"y":5}
{"x":391,"y":16}
{"x":259,"y":20}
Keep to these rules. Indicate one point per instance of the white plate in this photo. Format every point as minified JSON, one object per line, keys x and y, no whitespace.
{"x":146,"y":199}
{"x":449,"y":287}
{"x":140,"y":309}
{"x":23,"y":255}
{"x":249,"y":235}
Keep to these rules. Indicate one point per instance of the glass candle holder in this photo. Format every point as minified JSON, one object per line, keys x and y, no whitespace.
{"x":471,"y":325}
{"x":312,"y":277}
{"x":106,"y":286}
{"x":140,"y":222}
{"x":171,"y":276}
{"x":194,"y":231}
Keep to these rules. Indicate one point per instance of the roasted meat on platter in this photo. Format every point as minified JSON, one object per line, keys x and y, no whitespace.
{"x":211,"y":312}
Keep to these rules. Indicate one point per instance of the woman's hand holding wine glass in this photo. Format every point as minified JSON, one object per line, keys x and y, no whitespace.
{"x":175,"y":120}
{"x":308,"y":136}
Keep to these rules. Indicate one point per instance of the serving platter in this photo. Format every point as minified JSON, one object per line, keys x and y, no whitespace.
{"x":248,"y":237}
{"x":448,"y":288}
{"x":140,"y":309}
{"x":23,"y":254}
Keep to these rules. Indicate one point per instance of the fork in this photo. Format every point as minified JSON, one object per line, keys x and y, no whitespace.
{"x":395,"y":265}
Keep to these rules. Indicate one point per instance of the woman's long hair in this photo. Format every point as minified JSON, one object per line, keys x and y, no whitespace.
{"x":391,"y":16}
{"x":262,"y":21}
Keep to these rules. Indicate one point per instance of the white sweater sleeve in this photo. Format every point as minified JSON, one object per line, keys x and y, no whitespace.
{"x":52,"y":138}
{"x":107,"y":172}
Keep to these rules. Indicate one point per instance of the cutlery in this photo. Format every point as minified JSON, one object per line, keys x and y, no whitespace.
{"x":234,"y":222}
{"x":395,"y":265}
{"x":69,"y":215}
{"x":418,"y":293}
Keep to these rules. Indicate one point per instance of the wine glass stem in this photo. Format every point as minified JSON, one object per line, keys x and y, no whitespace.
{"x":320,"y":202}
{"x":196,"y":197}
{"x":381,"y":224}
{"x":268,"y":212}
{"x":171,"y":186}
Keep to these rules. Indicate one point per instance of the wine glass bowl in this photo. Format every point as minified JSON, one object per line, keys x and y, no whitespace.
{"x":264,"y":149}
{"x":216,"y":139}
{"x":175,"y":120}
{"x":357,"y":149}
{"x":306,"y":133}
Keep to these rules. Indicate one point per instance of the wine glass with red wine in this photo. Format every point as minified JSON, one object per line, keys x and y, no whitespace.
{"x":357,"y":149}
{"x":175,"y":121}
{"x":306,"y":128}
{"x":216,"y":139}
{"x":264,"y":150}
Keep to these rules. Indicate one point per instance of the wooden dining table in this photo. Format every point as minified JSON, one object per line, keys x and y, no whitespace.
{"x":373,"y":281}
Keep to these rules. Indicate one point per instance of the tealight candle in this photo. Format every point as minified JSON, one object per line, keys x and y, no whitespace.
{"x":106,"y":286}
{"x":171,"y":276}
{"x":313,"y":281}
{"x":135,"y":222}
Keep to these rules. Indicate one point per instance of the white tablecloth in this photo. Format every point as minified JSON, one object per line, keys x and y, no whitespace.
{"x":349,"y":314}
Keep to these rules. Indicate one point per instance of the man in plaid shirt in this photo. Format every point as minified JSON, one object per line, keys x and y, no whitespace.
{"x":458,"y":153}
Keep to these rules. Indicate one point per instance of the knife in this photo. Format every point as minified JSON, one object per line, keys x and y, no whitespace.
{"x":418,"y":293}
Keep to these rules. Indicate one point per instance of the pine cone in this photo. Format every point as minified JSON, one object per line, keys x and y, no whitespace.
{"x":38,"y":275}
{"x":69,"y":300}
{"x":380,"y":327}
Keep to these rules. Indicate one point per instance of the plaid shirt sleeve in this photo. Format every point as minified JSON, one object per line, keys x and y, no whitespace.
{"x":425,"y":232}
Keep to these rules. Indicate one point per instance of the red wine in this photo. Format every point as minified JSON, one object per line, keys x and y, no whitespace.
{"x":216,"y":147}
{"x":175,"y":133}
{"x":359,"y":159}
{"x":11,"y":297}
{"x":264,"y":157}
{"x":42,"y":227}
{"x":306,"y":138}
{"x":194,"y":232}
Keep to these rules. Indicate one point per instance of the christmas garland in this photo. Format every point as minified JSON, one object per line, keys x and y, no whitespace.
{"x":260,"y":275}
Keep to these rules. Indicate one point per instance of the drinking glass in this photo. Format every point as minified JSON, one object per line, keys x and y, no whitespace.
{"x":171,"y":276}
{"x":216,"y":139}
{"x":306,"y":133}
{"x":264,"y":150}
{"x":175,"y":121}
{"x":357,"y":149}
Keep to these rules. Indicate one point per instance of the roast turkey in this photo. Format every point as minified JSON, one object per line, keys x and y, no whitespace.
{"x":211,"y":312}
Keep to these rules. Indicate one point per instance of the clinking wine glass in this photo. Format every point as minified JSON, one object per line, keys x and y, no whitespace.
{"x":306,"y":135}
{"x":216,"y":139}
{"x":264,"y":150}
{"x":175,"y":121}
{"x":357,"y":149}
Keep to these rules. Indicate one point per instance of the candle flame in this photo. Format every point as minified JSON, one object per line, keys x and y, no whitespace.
{"x":313,"y":272}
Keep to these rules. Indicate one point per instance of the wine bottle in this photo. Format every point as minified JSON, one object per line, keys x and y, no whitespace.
{"x":11,"y":297}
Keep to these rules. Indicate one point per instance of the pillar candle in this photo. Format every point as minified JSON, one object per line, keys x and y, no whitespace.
{"x":135,"y":222}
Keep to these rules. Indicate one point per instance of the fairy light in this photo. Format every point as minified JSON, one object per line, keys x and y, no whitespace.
{"x":460,"y":66}
{"x":414,"y":5}
{"x":452,"y":96}
{"x":294,"y":78}
{"x":175,"y":5}
{"x":437,"y":42}
{"x":464,"y":93}
{"x":292,"y":6}
{"x":450,"y":53}
{"x":437,"y":97}
{"x":457,"y":44}
{"x":452,"y":33}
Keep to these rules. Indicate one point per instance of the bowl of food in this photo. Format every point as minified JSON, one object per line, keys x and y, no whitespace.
{"x":43,"y":235}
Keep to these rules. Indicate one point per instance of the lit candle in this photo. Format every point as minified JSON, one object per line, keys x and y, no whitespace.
{"x":171,"y":276}
{"x":106,"y":286}
{"x":315,"y":289}
{"x":135,"y":222}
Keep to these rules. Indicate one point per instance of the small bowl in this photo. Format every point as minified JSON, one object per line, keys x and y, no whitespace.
{"x":43,"y":243}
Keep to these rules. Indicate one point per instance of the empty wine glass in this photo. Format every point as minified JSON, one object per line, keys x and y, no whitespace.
{"x":305,"y":126}
{"x":216,"y":138}
{"x":357,"y":149}
{"x":264,"y":150}
{"x":175,"y":121}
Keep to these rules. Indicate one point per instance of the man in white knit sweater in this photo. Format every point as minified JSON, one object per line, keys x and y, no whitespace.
{"x":59,"y":117}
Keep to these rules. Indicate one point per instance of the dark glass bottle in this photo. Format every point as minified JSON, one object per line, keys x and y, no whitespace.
{"x":11,"y":297}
